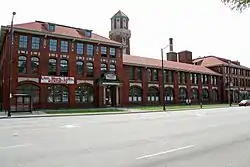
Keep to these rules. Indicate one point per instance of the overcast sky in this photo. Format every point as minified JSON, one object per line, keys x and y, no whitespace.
{"x":205,"y":27}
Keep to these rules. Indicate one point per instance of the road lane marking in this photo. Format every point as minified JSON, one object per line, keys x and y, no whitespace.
{"x":165,"y":152}
{"x":15,"y":146}
{"x":70,"y":126}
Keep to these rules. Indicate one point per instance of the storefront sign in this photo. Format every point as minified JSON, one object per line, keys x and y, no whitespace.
{"x":110,"y":76}
{"x":57,"y":80}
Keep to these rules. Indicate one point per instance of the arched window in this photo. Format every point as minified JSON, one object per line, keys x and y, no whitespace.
{"x":103,"y":68}
{"x":169,"y":94}
{"x":84,"y":94}
{"x":90,"y":69}
{"x":112,"y":68}
{"x":182,"y":94}
{"x":205,"y":94}
{"x":32,"y":90}
{"x":22,"y":64}
{"x":195,"y":94}
{"x":58,"y":94}
{"x":153,"y":94}
{"x":214,"y":95}
{"x":34,"y":65}
{"x":52,"y":66}
{"x":135,"y":94}
{"x":64,"y":67}
{"x":79,"y":67}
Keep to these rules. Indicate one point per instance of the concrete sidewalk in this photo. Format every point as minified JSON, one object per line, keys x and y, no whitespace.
{"x":37,"y":114}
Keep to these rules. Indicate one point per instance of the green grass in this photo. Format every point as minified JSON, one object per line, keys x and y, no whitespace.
{"x":183,"y":107}
{"x":72,"y":111}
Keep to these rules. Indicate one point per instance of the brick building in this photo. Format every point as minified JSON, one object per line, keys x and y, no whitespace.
{"x":61,"y":66}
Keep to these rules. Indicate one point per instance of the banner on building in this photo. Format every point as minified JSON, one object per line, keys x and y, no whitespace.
{"x":57,"y":80}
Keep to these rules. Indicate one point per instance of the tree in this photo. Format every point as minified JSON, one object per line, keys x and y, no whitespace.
{"x":238,"y":5}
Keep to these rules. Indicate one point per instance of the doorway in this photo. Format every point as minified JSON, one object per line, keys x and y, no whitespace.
{"x":110,"y":93}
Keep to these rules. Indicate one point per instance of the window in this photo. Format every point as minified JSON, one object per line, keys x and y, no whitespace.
{"x":53,"y":45}
{"x":169,"y":76}
{"x":214,"y":95}
{"x":205,"y":94}
{"x":112,"y":68}
{"x":135,"y":94}
{"x":196,"y":79}
{"x":79,"y":67}
{"x":155,"y":75}
{"x":103,"y":68}
{"x":58,"y":94}
{"x":131,"y":73}
{"x":32,"y":90}
{"x":88,"y":33}
{"x":34,"y":65}
{"x":195,"y":94}
{"x":23,"y":41}
{"x":79,"y":48}
{"x":52,"y":66}
{"x":104,"y":51}
{"x":182,"y":94}
{"x":84,"y":94}
{"x":112,"y":52}
{"x":169,"y":95}
{"x":22,"y":64}
{"x":64,"y":46}
{"x":90,"y":69}
{"x":64,"y":68}
{"x":153,"y":94}
{"x":90,"y":50}
{"x":181,"y":77}
{"x":139,"y":73}
{"x":52,"y":27}
{"x":35,"y":43}
{"x":149,"y":75}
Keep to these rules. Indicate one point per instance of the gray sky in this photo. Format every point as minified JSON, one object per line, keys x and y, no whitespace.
{"x":203,"y":27}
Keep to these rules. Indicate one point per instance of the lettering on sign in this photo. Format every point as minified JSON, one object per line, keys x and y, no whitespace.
{"x":57,"y":80}
{"x":110,"y":77}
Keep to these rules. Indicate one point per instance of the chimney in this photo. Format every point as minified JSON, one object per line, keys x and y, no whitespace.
{"x":171,"y":48}
{"x":185,"y":57}
{"x":171,"y":55}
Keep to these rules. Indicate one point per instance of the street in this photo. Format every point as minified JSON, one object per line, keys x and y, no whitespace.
{"x":198,"y":138}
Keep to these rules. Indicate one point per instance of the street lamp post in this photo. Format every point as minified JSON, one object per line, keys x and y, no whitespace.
{"x":162,"y":70}
{"x":10,"y":62}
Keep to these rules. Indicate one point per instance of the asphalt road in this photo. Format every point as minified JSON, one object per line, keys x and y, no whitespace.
{"x":204,"y":138}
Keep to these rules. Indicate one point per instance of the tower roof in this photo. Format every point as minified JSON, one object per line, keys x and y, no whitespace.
{"x":120,"y":14}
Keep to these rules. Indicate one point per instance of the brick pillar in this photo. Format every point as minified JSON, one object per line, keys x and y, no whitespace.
{"x":161,"y":87}
{"x":210,"y":89}
{"x":176,"y":87}
{"x":72,"y":72}
{"x":145,"y":86}
{"x":188,"y":84}
{"x":199,"y":87}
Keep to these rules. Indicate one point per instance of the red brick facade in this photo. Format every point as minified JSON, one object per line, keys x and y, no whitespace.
{"x":118,"y":79}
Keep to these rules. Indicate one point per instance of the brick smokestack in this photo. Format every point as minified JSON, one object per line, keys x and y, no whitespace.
{"x":171,"y":48}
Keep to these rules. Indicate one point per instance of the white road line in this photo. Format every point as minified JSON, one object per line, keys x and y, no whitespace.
{"x":165,"y":152}
{"x":70,"y":126}
{"x":15,"y":146}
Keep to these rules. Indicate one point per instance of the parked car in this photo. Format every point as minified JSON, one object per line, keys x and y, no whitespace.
{"x":244,"y":103}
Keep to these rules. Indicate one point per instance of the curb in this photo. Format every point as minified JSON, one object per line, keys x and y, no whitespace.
{"x":102,"y":113}
{"x":81,"y":114}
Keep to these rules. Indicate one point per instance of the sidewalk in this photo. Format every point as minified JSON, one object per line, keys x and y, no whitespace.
{"x":37,"y":114}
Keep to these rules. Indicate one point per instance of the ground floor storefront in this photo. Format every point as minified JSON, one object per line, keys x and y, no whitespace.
{"x":109,"y":91}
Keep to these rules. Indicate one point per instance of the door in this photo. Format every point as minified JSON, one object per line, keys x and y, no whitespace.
{"x":110,"y":92}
